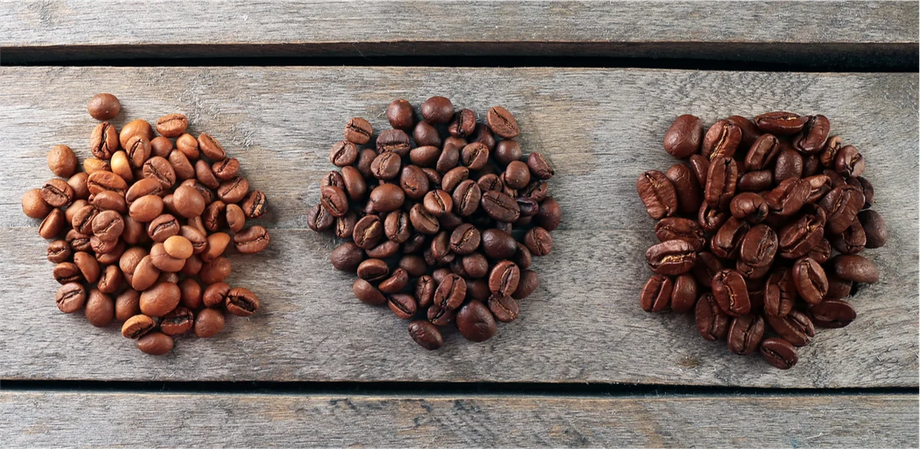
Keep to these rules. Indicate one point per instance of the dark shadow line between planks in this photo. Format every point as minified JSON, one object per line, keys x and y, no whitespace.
{"x":767,"y":57}
{"x":423,"y":389}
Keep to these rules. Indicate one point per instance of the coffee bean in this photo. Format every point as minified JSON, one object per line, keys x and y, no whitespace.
{"x":403,"y":306}
{"x":70,"y":297}
{"x":396,"y":282}
{"x":401,"y":115}
{"x":498,"y":205}
{"x":711,"y":322}
{"x":393,"y":141}
{"x":226,"y":169}
{"x":251,"y":240}
{"x":851,"y":241}
{"x":450,"y":293}
{"x":386,"y":198}
{"x":358,"y":130}
{"x":745,"y":333}
{"x":475,"y":156}
{"x":779,"y":353}
{"x":721,"y":140}
{"x":832,"y":313}
{"x":874,"y":227}
{"x":684,"y":294}
{"x":854,"y":268}
{"x":318,"y":219}
{"x":103,"y":106}
{"x":476,"y":322}
{"x":849,"y":162}
{"x":842,"y":204}
{"x":208,"y":323}
{"x":721,"y":182}
{"x":467,"y":196}
{"x":179,"y":321}
{"x":780,"y":293}
{"x":386,"y":166}
{"x":52,"y":225}
{"x":788,"y":197}
{"x":502,"y":123}
{"x":796,"y":328}
{"x":155,"y":343}
{"x":671,"y":257}
{"x":658,"y":194}
{"x":62,"y":161}
{"x":779,"y":122}
{"x":727,"y":240}
{"x":656,"y":294}
{"x":465,"y":239}
{"x":426,"y":334}
{"x":730,"y":291}
{"x":813,"y":135}
{"x":684,"y":136}
{"x":58,"y":251}
{"x":241,"y":302}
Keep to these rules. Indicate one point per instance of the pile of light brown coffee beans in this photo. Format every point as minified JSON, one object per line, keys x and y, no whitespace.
{"x":143,"y":228}
{"x":431,"y":222}
{"x":760,"y":231}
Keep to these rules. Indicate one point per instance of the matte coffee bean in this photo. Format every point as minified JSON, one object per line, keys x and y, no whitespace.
{"x":475,"y":321}
{"x":854,"y":268}
{"x":540,"y":242}
{"x":88,"y":266}
{"x":57,"y":193}
{"x":241,"y":302}
{"x":438,"y":202}
{"x":181,"y":165}
{"x":318,"y":219}
{"x":796,"y":328}
{"x":393,"y":141}
{"x":549,"y":215}
{"x":179,"y":321}
{"x":539,"y":167}
{"x":127,"y":305}
{"x":502,"y":123}
{"x":386,"y":166}
{"x":779,"y":122}
{"x":711,"y":322}
{"x":465,"y":239}
{"x":70,"y":297}
{"x":227,"y":169}
{"x":358,"y":130}
{"x":475,"y":156}
{"x":779,"y":353}
{"x":721,"y":140}
{"x":110,"y":280}
{"x":414,"y":182}
{"x":403,"y":306}
{"x":58,"y":251}
{"x":730,"y":290}
{"x":251,"y":240}
{"x":832,"y":314}
{"x":397,"y":227}
{"x":161,"y":170}
{"x":155,"y":343}
{"x":137,"y":326}
{"x":745,"y":333}
{"x":467,"y":196}
{"x":450,"y":293}
{"x":386,"y":198}
{"x":62,"y":161}
{"x":373,"y":270}
{"x":53,"y":225}
{"x":498,"y":205}
{"x":104,"y":141}
{"x":163,"y":227}
{"x":684,"y":136}
{"x":656,"y":294}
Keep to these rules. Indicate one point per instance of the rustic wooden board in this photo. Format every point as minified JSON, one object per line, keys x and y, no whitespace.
{"x":255,"y":420}
{"x":810,"y":33}
{"x":600,"y":128}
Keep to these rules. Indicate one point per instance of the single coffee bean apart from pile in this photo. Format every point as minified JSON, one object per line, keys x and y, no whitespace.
{"x":779,"y":353}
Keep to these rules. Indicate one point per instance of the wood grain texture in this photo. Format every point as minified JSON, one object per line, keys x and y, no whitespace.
{"x":73,"y":29}
{"x":600,"y":128}
{"x":250,"y":420}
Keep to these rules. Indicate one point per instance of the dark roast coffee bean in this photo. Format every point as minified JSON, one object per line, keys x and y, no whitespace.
{"x":373,"y":270}
{"x":711,"y":218}
{"x":674,"y":228}
{"x":849,"y":162}
{"x":759,"y":246}
{"x":367,"y":293}
{"x":750,"y":207}
{"x":684,"y":294}
{"x":721,"y":182}
{"x":423,"y":221}
{"x":819,"y":185}
{"x":842,"y":204}
{"x":762,"y":153}
{"x":874,"y":228}
{"x":727,"y":240}
{"x":854,"y":268}
{"x":656,"y":294}
{"x":368,"y":231}
{"x":425,"y":287}
{"x":426,"y":334}
{"x":832,"y":313}
{"x":358,"y":130}
{"x":721,"y":140}
{"x":789,"y":164}
{"x":745,"y":333}
{"x":383,"y":250}
{"x":779,"y":122}
{"x":699,"y":165}
{"x":517,"y":175}
{"x":507,"y":151}
{"x":684,"y":136}
{"x":502,"y":123}
{"x":711,"y":321}
{"x":780,"y":293}
{"x":798,"y":238}
{"x":476,"y":322}
{"x":749,"y":132}
{"x":505,"y":309}
{"x":730,"y":291}
{"x":671,"y":258}
{"x":437,"y":110}
{"x":851,"y":241}
{"x":454,"y":177}
{"x":689,"y":194}
{"x":814,"y":134}
{"x":528,"y":207}
{"x":755,"y":181}
{"x":475,"y":265}
{"x":788,"y":197}
{"x":536,"y":190}
{"x":796,"y":328}
{"x":779,"y":353}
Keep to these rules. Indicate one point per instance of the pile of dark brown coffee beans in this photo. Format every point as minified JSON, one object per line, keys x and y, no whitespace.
{"x":760,"y":231}
{"x":143,"y":228}
{"x":431,"y":221}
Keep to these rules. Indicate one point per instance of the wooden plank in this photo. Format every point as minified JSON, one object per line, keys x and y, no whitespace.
{"x":601,"y":128}
{"x":256,"y":420}
{"x":811,"y":33}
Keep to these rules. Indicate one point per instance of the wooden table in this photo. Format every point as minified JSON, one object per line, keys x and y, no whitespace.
{"x":584,"y":365}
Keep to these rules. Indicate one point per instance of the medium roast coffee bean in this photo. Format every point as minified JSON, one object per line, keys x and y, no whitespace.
{"x":854,"y":268}
{"x":70,"y":297}
{"x":721,"y":140}
{"x":505,"y":309}
{"x":155,"y":343}
{"x":730,"y":291}
{"x":358,"y":130}
{"x":241,"y":302}
{"x":450,"y":293}
{"x":208,"y":323}
{"x":475,"y":321}
{"x":498,"y":205}
{"x":426,"y":334}
{"x":502,"y":123}
{"x":796,"y":328}
{"x":656,"y":294}
{"x":711,"y":322}
{"x":467,"y":196}
{"x":251,"y":240}
{"x":539,"y":242}
{"x":832,"y":313}
{"x":745,"y":333}
{"x":672,"y":257}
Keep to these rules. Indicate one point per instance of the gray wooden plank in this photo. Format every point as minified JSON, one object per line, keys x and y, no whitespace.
{"x":67,"y":29}
{"x":254,"y":420}
{"x":601,"y":128}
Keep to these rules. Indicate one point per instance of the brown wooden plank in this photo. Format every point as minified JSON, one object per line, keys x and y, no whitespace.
{"x":254,"y":420}
{"x":600,"y":128}
{"x":810,"y":33}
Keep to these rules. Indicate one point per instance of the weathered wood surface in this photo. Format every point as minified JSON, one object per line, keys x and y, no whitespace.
{"x":42,"y":419}
{"x":600,"y":128}
{"x":810,"y":32}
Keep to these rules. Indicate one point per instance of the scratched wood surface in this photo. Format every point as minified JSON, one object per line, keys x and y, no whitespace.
{"x":599,"y":127}
{"x":256,"y":420}
{"x":808,"y":33}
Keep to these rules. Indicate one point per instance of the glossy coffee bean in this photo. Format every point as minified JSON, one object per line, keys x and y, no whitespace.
{"x":832,"y":313}
{"x":475,"y":322}
{"x":711,"y":322}
{"x":689,"y":194}
{"x":684,"y":136}
{"x":684,"y":294}
{"x":155,"y":343}
{"x":745,"y":333}
{"x":674,"y":228}
{"x":721,"y":140}
{"x":358,"y":131}
{"x":426,"y":334}
{"x":779,"y":122}
{"x":730,"y":291}
{"x":779,"y":353}
{"x":796,"y":327}
{"x":656,"y":294}
{"x":671,"y":258}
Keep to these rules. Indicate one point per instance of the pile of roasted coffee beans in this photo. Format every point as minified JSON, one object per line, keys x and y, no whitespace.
{"x":143,"y":228}
{"x":760,"y":231}
{"x":430,"y":221}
